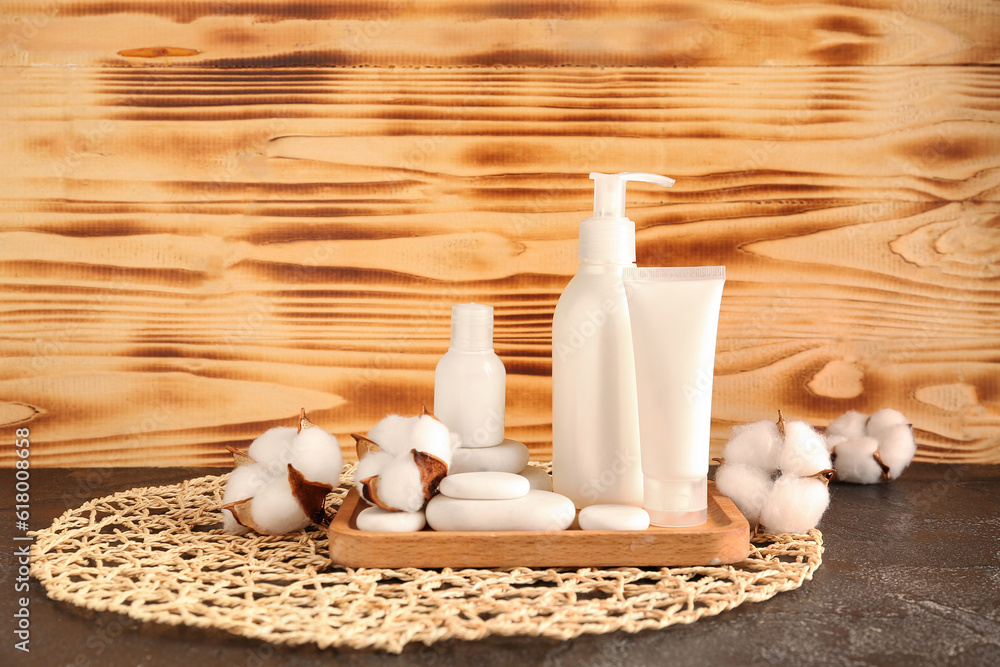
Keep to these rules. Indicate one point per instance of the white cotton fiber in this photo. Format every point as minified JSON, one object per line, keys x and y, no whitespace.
{"x":757,"y":444}
{"x":400,"y":486}
{"x":896,"y":447}
{"x":883,"y":420}
{"x":370,"y":466}
{"x":273,"y":448}
{"x":833,"y":440}
{"x":316,"y":454}
{"x":795,"y":504}
{"x":244,"y":482}
{"x":394,"y":433}
{"x":431,"y":436}
{"x":274,"y":509}
{"x":851,"y":424}
{"x":747,"y":486}
{"x":855,"y":462}
{"x":804,"y":451}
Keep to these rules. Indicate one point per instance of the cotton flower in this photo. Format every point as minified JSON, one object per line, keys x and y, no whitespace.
{"x":273,"y":446}
{"x":896,"y":448}
{"x":795,"y":504}
{"x":402,"y":460}
{"x":316,"y":454}
{"x":803,"y":451}
{"x":777,"y":474}
{"x":856,"y":460}
{"x":424,"y":432}
{"x":746,"y":485}
{"x":883,"y":420}
{"x":757,"y":444}
{"x":244,"y":482}
{"x":850,"y":438}
{"x":281,"y":481}
{"x":851,"y":424}
{"x":275,"y":509}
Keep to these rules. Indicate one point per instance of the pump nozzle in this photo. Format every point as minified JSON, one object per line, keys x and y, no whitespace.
{"x":609,"y":190}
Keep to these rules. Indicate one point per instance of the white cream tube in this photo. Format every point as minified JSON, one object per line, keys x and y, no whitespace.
{"x":675,"y":318}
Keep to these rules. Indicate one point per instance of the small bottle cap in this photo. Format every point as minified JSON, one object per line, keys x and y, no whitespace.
{"x":472,"y":327}
{"x":675,"y":502}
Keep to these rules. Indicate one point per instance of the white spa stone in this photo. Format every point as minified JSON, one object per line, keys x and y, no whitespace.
{"x":508,"y":456}
{"x":378,"y":520}
{"x":613,"y":517}
{"x":484,"y":486}
{"x":538,"y":510}
{"x":537,"y":478}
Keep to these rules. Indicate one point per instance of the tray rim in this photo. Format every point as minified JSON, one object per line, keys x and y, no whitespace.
{"x":726,"y":534}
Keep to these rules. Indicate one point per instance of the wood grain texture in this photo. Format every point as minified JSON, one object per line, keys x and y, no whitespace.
{"x":444,"y":33}
{"x":190,"y":253}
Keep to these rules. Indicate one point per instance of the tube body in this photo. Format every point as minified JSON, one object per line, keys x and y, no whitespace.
{"x":674,"y":316}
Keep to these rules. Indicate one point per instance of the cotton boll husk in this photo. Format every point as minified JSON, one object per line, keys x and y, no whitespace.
{"x":795,"y":504}
{"x":400,"y":485}
{"x":746,"y":485}
{"x":394,"y":433}
{"x":244,"y":482}
{"x":231,"y":525}
{"x":370,"y":466}
{"x":316,"y":454}
{"x":883,"y":420}
{"x":855,"y":461}
{"x":896,"y":448}
{"x":273,"y":447}
{"x":804,"y":451}
{"x":275,"y":511}
{"x":757,"y":444}
{"x":851,"y":424}
{"x":432,"y":437}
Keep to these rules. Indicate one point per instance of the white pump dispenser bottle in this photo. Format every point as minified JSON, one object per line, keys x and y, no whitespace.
{"x":595,"y":414}
{"x":470,"y":380}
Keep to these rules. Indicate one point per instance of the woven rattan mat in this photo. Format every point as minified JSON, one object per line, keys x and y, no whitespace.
{"x":160,"y":555}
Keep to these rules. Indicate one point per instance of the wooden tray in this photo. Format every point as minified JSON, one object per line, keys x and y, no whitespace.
{"x":724,"y":538}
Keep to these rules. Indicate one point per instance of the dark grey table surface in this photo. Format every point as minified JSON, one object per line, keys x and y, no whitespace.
{"x":910,"y":576}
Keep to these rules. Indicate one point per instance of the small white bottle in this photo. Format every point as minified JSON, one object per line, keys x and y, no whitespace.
{"x":595,"y":412}
{"x":470,"y":381}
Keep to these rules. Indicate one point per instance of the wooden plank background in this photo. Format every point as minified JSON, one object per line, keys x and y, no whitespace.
{"x":214,"y":214}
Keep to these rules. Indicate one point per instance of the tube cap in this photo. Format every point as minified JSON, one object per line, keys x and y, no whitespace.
{"x":676,"y":502}
{"x":608,"y":236}
{"x":471,"y":327}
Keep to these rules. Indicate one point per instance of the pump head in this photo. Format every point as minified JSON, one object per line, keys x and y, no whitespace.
{"x":609,"y":190}
{"x":608,"y":236}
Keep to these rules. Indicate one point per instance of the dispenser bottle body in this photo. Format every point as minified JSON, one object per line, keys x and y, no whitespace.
{"x":470,"y":382}
{"x":595,"y":418}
